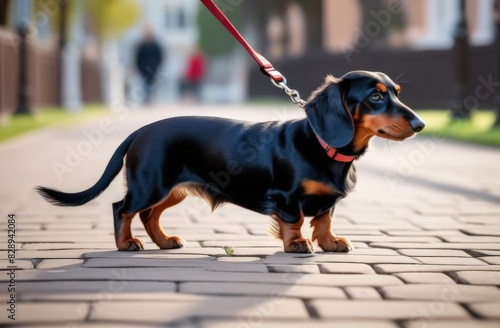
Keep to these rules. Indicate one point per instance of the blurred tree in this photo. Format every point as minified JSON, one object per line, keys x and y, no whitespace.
{"x":371,"y":11}
{"x":214,"y":40}
{"x":112,"y":17}
{"x":108,"y":19}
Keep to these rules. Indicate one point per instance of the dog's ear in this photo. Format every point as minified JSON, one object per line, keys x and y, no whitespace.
{"x":328,"y":113}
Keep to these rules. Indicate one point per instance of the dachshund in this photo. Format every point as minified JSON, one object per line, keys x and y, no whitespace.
{"x":287,"y":170}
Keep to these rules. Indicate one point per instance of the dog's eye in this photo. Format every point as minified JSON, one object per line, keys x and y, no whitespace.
{"x":376,"y":97}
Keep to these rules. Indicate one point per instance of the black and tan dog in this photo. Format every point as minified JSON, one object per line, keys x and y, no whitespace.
{"x":287,"y":170}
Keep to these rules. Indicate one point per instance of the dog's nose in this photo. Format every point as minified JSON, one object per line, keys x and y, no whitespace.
{"x":417,"y":124}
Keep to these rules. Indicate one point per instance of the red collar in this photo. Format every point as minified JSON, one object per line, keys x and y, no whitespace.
{"x":331,"y":152}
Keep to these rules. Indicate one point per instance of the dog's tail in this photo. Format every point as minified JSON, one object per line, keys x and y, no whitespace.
{"x":114,"y":167}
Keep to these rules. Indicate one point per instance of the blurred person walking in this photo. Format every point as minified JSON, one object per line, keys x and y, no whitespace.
{"x":148,"y":59}
{"x":193,"y":77}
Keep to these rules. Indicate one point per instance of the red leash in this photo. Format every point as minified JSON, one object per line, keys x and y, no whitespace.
{"x":265,"y":66}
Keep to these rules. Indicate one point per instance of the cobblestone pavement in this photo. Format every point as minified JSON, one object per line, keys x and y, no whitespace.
{"x":425,"y":221}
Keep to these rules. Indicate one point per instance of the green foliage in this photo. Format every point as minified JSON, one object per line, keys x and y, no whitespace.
{"x":214,"y":39}
{"x":51,"y":10}
{"x":113,"y":17}
{"x":479,"y":129}
{"x":110,"y":17}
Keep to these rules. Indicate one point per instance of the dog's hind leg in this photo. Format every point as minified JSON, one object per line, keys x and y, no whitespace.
{"x":293,"y":241}
{"x":151,"y":220}
{"x":327,"y":240}
{"x":123,"y":233}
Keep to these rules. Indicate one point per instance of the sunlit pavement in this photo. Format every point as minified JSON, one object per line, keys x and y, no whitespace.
{"x":424,"y":218}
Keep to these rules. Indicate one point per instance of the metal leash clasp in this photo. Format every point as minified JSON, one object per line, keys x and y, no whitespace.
{"x":292,"y":93}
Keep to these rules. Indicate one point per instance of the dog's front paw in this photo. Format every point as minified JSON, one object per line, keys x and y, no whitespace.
{"x":171,"y":243}
{"x":132,"y":244}
{"x":300,"y":245}
{"x":336,"y":244}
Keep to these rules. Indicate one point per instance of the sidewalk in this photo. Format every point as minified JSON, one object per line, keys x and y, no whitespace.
{"x":424,"y":218}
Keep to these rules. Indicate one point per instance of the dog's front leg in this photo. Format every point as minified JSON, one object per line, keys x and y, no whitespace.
{"x":293,"y":241}
{"x":327,"y":240}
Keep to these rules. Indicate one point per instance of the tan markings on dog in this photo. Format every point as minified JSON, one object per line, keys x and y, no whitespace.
{"x":151,"y":220}
{"x":312,"y":187}
{"x":366,"y":128}
{"x":394,"y":127}
{"x":382,"y":87}
{"x":356,"y":116}
{"x":293,"y":241}
{"x":322,"y":232}
{"x":397,"y":88}
{"x":124,"y":240}
{"x":274,"y":229}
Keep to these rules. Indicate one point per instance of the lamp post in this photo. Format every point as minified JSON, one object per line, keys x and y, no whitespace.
{"x":459,"y":108}
{"x":497,"y":48}
{"x":23,"y":18}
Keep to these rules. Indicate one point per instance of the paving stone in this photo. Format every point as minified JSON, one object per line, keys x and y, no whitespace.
{"x":68,"y":226}
{"x":391,"y":310}
{"x":434,"y":252}
{"x":224,"y":237}
{"x":106,"y":325}
{"x":450,"y":260}
{"x":258,"y":289}
{"x":181,"y":262}
{"x":234,"y":267}
{"x":152,"y":254}
{"x":53,"y":254}
{"x":243,"y":243}
{"x":390,"y":239}
{"x":183,"y":275}
{"x":464,"y":246}
{"x":363,"y":293}
{"x":433,"y":233}
{"x":491,"y":259}
{"x":366,"y":251}
{"x":425,"y":278}
{"x":467,"y":323}
{"x":487,"y":252}
{"x":479,"y":219}
{"x":36,"y":313}
{"x":486,"y":310}
{"x":346,"y":268}
{"x":297,"y":324}
{"x":91,"y":290}
{"x":19,"y":264}
{"x":471,"y":239}
{"x":111,"y":246}
{"x":239,"y":259}
{"x":483,"y":231}
{"x":284,"y":268}
{"x":395,"y":268}
{"x":336,"y":258}
{"x":479,"y":277}
{"x":442,"y":293}
{"x":257,"y":251}
{"x":212,"y":307}
{"x":59,"y":264}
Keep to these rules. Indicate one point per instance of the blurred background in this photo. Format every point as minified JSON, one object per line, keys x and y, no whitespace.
{"x":72,"y":53}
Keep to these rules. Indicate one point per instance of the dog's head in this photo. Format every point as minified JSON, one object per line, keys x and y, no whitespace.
{"x":358,"y":106}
